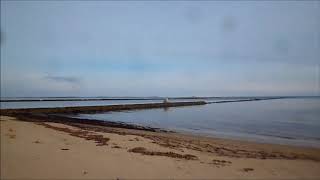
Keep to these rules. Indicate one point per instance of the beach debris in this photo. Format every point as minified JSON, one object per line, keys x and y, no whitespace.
{"x":64,"y":149}
{"x":144,"y":151}
{"x":85,"y":172}
{"x":217,"y":149}
{"x":221,"y":150}
{"x":100,"y":140}
{"x":11,"y":136}
{"x":118,"y":147}
{"x":247,"y":169}
{"x":220,"y":163}
{"x":37,"y":142}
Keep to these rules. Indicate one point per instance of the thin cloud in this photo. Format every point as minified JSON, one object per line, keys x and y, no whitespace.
{"x":67,"y":79}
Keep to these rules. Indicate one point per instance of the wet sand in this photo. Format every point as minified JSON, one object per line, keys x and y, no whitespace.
{"x":42,"y":149}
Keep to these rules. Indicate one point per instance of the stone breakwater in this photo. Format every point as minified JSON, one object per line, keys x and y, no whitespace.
{"x":96,"y":109}
{"x":58,"y":114}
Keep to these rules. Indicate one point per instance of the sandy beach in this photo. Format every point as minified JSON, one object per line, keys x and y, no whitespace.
{"x":159,"y":90}
{"x":31,"y":150}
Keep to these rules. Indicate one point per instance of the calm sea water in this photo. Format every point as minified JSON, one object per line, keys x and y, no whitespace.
{"x":284,"y":121}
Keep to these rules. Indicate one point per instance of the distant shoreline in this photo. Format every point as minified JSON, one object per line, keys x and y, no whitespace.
{"x":138,"y":99}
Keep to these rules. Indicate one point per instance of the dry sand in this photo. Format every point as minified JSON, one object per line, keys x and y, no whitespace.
{"x":49,"y":150}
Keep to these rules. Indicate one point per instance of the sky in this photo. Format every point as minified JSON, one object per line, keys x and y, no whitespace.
{"x":170,"y":48}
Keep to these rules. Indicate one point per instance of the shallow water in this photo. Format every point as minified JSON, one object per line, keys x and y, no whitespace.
{"x":283,"y":121}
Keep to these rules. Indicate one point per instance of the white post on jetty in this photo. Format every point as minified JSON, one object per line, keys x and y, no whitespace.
{"x":166,"y":100}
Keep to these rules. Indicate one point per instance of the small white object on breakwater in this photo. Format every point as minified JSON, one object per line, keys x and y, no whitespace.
{"x":166,"y":100}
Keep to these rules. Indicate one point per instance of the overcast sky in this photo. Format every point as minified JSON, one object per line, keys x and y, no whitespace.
{"x":179,"y":48}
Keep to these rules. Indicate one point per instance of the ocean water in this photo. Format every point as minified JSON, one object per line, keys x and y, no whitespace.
{"x":293,"y":121}
{"x":284,"y":121}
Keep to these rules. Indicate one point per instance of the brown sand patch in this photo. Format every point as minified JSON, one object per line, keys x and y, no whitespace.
{"x":169,"y":140}
{"x":100,"y":140}
{"x":223,"y":150}
{"x":247,"y":169}
{"x":220,"y":163}
{"x":144,"y":151}
{"x":37,"y":142}
{"x":11,"y":136}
